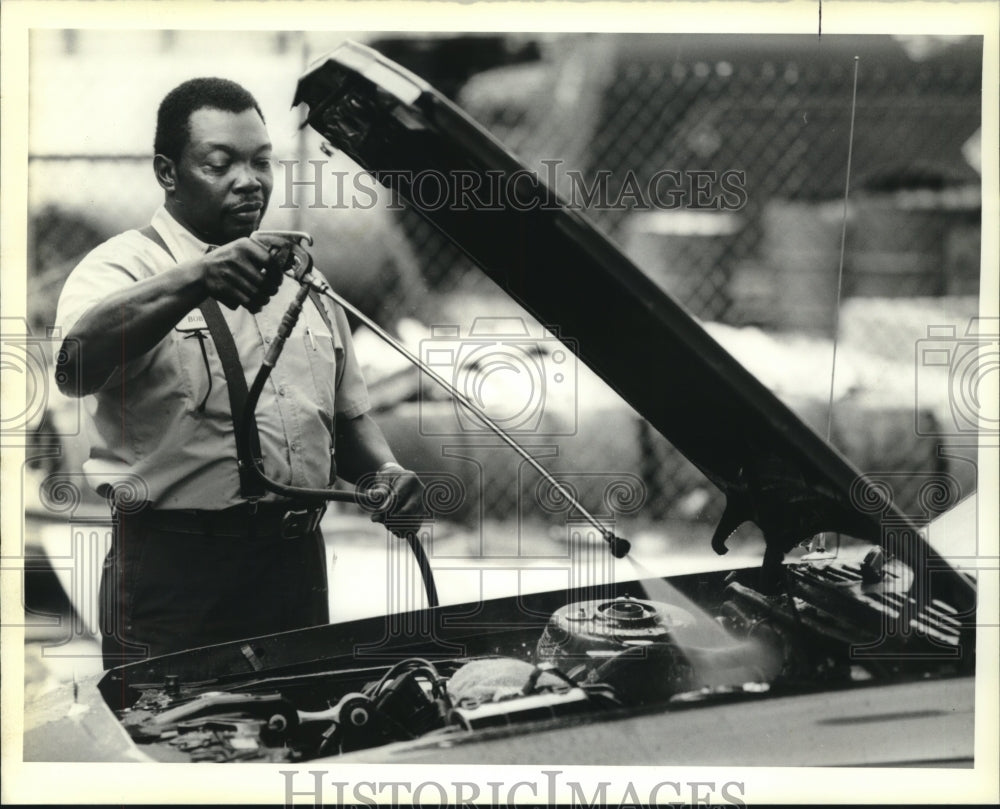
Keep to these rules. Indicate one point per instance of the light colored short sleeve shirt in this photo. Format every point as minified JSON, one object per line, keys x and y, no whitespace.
{"x":163,"y":419}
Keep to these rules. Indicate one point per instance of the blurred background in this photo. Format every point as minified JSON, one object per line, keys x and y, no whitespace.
{"x":762,"y":274}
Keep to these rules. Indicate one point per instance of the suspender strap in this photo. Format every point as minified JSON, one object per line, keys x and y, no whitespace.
{"x":236,"y":383}
{"x":154,"y":236}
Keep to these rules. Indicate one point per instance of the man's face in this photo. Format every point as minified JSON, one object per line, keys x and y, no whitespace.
{"x":223,"y":178}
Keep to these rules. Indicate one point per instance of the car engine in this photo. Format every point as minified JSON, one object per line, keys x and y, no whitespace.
{"x":847,"y":620}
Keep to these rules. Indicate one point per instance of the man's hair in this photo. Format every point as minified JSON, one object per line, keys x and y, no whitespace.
{"x":173,"y":119}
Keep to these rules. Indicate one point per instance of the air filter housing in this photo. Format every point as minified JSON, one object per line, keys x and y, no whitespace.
{"x":625,"y":642}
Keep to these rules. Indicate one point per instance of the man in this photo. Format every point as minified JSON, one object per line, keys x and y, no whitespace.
{"x":207,"y":555}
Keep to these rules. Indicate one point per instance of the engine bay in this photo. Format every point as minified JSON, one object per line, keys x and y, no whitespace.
{"x":838,"y":622}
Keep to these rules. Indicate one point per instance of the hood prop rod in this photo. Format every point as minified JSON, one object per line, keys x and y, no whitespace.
{"x":619,"y":547}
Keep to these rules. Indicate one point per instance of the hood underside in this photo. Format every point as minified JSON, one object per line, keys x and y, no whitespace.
{"x":773,"y":469}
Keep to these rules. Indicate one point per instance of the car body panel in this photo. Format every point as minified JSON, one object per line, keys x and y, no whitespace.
{"x":916,"y":724}
{"x":76,"y":724}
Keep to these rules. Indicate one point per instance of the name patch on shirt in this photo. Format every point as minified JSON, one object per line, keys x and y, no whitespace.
{"x":192,"y":321}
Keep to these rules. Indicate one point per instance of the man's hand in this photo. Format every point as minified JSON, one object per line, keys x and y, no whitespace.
{"x":234,"y":274}
{"x":128,"y":323}
{"x":405,"y":508}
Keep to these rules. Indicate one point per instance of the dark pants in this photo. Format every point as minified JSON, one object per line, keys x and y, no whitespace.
{"x":167,"y":590}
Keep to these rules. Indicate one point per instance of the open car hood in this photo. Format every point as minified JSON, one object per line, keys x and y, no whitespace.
{"x":588,"y":670}
{"x":773,"y":469}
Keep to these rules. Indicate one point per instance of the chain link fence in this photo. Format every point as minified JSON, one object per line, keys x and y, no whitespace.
{"x":718,"y":164}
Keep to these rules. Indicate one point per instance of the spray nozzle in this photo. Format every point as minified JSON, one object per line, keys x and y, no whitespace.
{"x":619,"y":547}
{"x":288,"y":254}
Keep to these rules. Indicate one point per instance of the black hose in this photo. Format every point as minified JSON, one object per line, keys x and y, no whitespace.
{"x":248,"y":425}
{"x":425,"y":568}
{"x":248,"y":428}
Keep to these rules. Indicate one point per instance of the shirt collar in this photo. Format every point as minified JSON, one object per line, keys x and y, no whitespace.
{"x":184,"y":245}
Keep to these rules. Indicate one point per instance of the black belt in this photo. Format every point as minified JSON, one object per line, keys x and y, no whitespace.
{"x":263,"y":520}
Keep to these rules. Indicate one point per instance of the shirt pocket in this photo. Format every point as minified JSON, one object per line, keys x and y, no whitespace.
{"x":323,"y":355}
{"x":200,"y":370}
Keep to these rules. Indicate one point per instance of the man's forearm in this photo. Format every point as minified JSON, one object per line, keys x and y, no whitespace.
{"x":361,"y":448}
{"x":126,"y":325}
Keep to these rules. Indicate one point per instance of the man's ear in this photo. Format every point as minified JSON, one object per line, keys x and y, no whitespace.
{"x":166,"y":173}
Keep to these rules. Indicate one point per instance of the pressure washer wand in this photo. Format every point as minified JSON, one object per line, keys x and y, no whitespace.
{"x":619,"y":547}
